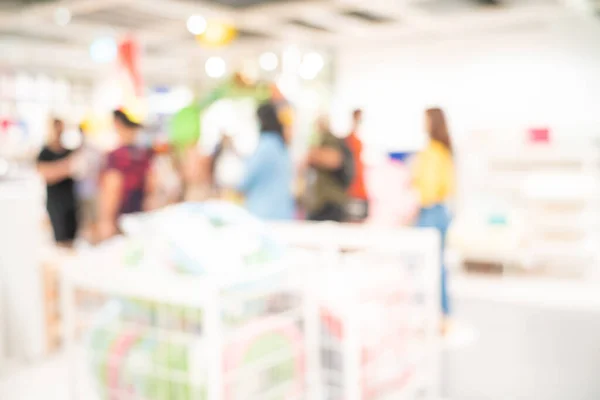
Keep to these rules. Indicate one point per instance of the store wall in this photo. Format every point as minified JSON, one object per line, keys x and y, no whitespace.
{"x":504,"y":82}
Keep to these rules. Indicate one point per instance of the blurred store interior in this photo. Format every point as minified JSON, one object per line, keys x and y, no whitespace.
{"x":247,"y":125}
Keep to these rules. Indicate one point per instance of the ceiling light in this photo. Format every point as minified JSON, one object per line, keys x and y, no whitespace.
{"x":103,"y":50}
{"x":312,"y":64}
{"x":196,"y":24}
{"x":62,"y":16}
{"x":307,"y":73}
{"x":291,"y":59}
{"x":314,"y":61}
{"x":269,"y":61}
{"x":215,"y":67}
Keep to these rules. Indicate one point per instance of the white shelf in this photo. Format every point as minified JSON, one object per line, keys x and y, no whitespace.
{"x":548,"y":189}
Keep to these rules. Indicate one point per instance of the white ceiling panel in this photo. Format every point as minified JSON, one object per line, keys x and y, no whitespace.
{"x":161,"y":24}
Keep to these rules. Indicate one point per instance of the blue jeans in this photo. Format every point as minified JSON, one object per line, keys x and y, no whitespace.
{"x":438,"y":217}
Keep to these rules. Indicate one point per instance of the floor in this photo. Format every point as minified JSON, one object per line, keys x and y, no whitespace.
{"x":535,"y":340}
{"x":514,"y":341}
{"x":45,"y":381}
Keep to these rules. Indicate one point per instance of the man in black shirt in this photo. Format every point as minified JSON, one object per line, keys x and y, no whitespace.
{"x":54,"y":164}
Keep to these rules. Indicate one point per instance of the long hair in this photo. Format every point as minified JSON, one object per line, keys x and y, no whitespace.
{"x":269,"y":120}
{"x":438,"y":128}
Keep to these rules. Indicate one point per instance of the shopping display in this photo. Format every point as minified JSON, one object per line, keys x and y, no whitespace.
{"x":368,"y":327}
{"x":376,"y":310}
{"x":390,"y":205}
{"x":197,"y":238}
{"x":260,"y":333}
{"x":186,"y":126}
{"x":159,"y":348}
{"x":157,"y":351}
{"x":528,"y":205}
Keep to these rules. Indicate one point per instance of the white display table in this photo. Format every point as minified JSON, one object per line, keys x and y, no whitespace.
{"x":21,"y":313}
{"x":364,"y":297}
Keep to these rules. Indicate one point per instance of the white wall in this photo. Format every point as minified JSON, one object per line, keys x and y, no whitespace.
{"x":548,"y":75}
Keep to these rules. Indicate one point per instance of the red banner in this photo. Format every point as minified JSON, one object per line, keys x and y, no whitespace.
{"x":129,"y":60}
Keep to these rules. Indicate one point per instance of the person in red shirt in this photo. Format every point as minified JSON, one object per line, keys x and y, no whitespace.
{"x":358,"y":205}
{"x":127,"y":182}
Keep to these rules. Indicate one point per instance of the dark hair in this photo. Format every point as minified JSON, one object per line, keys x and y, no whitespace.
{"x":58,"y":124}
{"x":268,"y":119}
{"x":124,"y":119}
{"x":438,"y":128}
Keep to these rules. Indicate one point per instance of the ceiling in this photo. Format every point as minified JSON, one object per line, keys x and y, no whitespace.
{"x":30,"y":37}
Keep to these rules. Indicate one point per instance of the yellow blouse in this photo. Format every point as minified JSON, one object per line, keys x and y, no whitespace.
{"x":433,"y":175}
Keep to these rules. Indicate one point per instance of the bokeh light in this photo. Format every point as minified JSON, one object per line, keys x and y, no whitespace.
{"x":269,"y":61}
{"x":215,"y":67}
{"x":196,"y":24}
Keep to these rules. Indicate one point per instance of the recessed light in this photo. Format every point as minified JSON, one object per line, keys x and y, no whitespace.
{"x":62,"y":16}
{"x":196,"y":24}
{"x":215,"y":67}
{"x":269,"y":61}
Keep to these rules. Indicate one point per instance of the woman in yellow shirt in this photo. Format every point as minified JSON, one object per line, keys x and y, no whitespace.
{"x":434,"y":181}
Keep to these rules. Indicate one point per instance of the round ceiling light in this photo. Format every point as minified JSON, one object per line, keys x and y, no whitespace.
{"x":196,"y":24}
{"x":269,"y":61}
{"x":215,"y":67}
{"x":103,"y":50}
{"x":62,"y":16}
{"x":312,"y":64}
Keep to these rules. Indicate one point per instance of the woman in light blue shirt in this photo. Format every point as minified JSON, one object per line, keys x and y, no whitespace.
{"x":267,"y":184}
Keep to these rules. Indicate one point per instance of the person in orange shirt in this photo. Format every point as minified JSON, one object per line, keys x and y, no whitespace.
{"x":358,"y":204}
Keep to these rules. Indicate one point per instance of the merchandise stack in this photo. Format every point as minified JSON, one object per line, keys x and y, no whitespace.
{"x":200,"y":301}
{"x":375,"y":297}
{"x":195,"y":302}
{"x":530,"y":206}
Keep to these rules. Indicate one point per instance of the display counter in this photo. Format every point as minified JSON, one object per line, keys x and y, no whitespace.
{"x":21,"y":240}
{"x":363,"y":297}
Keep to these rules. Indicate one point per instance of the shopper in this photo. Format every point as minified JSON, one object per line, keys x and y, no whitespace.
{"x":434,"y":180}
{"x":358,"y":202}
{"x":267,"y":184}
{"x":55,"y":164}
{"x":168,"y":187}
{"x":127,"y":182}
{"x":227,"y":169}
{"x":89,"y":167}
{"x":330,"y":172}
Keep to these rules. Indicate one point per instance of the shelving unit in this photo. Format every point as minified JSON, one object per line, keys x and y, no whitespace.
{"x":530,"y":207}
